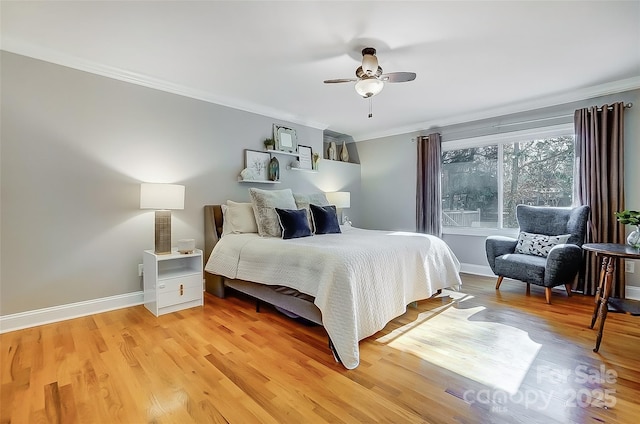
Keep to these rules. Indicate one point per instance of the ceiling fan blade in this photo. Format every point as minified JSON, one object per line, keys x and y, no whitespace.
{"x":398,"y":76}
{"x":333,"y":81}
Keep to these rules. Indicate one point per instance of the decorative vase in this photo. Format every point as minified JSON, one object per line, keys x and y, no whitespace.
{"x":633,"y":239}
{"x":274,"y":169}
{"x":344,"y":153}
{"x":333,"y":151}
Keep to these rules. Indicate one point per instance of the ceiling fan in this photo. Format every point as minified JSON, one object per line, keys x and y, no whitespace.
{"x":370,"y":79}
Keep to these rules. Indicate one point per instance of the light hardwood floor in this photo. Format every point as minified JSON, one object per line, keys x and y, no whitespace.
{"x":473,"y":356}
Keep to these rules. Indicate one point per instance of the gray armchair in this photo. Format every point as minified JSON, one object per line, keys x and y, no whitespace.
{"x":563,"y":261}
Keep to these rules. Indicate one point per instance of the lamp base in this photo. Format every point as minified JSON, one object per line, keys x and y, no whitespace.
{"x":163,"y":232}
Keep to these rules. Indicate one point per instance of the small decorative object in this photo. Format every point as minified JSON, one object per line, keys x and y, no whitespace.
{"x":634,"y":238}
{"x":295,"y":164}
{"x":285,"y":138}
{"x":274,"y":169}
{"x":316,"y":158}
{"x":304,"y":156}
{"x":631,"y":218}
{"x":332,"y":153}
{"x":258,"y":162}
{"x":186,"y":246}
{"x":269,"y":143}
{"x":247,"y":174}
{"x":344,"y":153}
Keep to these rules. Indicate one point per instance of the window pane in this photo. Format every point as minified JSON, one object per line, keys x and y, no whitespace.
{"x":470,"y":187}
{"x":539,"y":173}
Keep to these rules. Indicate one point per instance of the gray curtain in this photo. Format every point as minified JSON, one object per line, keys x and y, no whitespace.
{"x":429,"y":190}
{"x":599,"y":183}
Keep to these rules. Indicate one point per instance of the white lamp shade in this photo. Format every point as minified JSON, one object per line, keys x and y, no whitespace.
{"x":161,"y":196}
{"x":341,"y":199}
{"x":369,"y":87}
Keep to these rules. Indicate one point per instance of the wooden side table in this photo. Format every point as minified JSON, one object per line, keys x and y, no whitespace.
{"x":610,"y":253}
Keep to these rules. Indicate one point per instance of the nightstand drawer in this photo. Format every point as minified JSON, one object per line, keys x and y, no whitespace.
{"x":177,"y":290}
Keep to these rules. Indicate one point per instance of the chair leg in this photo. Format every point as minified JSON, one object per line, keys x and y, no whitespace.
{"x":568,"y":288}
{"x":547,"y":294}
{"x":500,"y":277}
{"x":528,"y":289}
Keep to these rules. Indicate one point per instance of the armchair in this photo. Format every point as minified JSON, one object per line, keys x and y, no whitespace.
{"x":535,"y":259}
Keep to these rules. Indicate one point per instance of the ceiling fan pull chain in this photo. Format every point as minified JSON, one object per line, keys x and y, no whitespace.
{"x":370,"y":107}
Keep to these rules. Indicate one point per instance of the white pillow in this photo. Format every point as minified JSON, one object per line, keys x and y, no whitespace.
{"x":238,"y":218}
{"x":538,"y":244}
{"x":304,"y":200}
{"x":226,"y":226}
{"x":264,"y":203}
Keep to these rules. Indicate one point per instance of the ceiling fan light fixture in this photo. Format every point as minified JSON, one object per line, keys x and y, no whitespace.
{"x":369,"y":64}
{"x":369,"y":87}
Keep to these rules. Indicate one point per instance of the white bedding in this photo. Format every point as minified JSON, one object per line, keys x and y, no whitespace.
{"x":361,"y":279}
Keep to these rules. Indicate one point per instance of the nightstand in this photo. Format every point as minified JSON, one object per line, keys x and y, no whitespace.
{"x":172,"y":282}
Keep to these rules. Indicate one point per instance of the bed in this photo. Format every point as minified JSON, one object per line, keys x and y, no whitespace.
{"x":352,"y":283}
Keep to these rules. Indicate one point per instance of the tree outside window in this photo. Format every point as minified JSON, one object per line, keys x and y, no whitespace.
{"x":534,"y":172}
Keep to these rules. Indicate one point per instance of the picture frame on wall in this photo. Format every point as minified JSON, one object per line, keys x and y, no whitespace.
{"x":304,"y":157}
{"x":285,"y":138}
{"x":258,"y":162}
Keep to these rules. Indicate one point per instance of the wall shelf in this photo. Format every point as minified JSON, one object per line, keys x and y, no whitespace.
{"x":311,"y":171}
{"x":279,"y":152}
{"x":258,"y":181}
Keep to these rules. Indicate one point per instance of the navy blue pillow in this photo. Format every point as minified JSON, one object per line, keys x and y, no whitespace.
{"x":325,"y":219}
{"x":294,"y":223}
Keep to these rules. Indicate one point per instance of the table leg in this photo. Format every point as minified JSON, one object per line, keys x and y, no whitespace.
{"x":604,"y":299}
{"x":599,"y":292}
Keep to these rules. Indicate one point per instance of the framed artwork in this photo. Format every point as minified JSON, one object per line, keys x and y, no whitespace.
{"x":258,"y":162}
{"x":304,"y":157}
{"x":285,"y":138}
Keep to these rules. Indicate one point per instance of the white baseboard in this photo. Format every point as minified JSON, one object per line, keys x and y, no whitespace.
{"x":632,"y":292}
{"x":80,"y":309}
{"x":483,"y":270}
{"x":72,"y":310}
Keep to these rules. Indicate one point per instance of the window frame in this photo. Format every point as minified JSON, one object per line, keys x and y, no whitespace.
{"x":500,"y":139}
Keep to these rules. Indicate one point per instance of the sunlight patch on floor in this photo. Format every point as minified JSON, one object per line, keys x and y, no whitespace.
{"x":490,"y":353}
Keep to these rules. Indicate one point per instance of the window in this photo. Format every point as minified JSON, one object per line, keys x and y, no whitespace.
{"x":483,"y":179}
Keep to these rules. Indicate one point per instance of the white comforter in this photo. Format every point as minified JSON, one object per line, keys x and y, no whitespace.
{"x":361,"y":279}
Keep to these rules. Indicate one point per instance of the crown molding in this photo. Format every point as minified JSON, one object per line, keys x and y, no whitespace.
{"x":573,"y":96}
{"x":52,"y":56}
{"x":58,"y":58}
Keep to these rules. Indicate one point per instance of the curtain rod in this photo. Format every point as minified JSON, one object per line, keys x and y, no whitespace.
{"x":626,"y":106}
{"x":599,"y":109}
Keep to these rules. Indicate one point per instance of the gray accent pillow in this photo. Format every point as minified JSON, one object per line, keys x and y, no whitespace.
{"x":304,"y":200}
{"x":538,"y":244}
{"x":264,"y":203}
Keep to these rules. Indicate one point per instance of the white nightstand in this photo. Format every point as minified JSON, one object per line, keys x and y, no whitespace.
{"x":172,"y":282}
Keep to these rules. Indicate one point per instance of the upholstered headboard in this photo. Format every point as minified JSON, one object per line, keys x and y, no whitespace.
{"x":212,"y":233}
{"x":212,"y":227}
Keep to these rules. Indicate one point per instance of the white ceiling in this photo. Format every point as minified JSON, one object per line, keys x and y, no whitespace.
{"x":474,"y":59}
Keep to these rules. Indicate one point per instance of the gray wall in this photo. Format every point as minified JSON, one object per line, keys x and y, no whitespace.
{"x":389,"y":170}
{"x":75,"y":148}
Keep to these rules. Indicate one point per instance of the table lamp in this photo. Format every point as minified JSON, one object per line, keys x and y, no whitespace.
{"x":341,"y":200}
{"x":162,"y":198}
